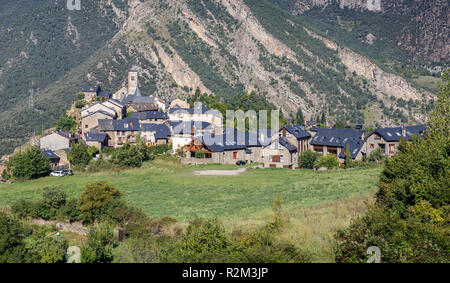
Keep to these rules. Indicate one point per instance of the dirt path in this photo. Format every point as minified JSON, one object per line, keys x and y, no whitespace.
{"x":220,"y":172}
{"x":66,"y":227}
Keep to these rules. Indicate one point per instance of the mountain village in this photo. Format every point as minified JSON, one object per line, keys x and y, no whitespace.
{"x":113,"y":120}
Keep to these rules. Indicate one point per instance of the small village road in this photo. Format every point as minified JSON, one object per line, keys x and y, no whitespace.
{"x":220,"y":172}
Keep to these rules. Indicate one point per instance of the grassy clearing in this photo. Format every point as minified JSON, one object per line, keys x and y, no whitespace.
{"x":164,"y":188}
{"x":428,"y":82}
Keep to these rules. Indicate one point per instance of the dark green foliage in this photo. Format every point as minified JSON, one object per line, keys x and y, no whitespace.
{"x":79,"y":155}
{"x":299,"y":119}
{"x":410,"y":220}
{"x":94,"y":201}
{"x":31,"y":164}
{"x":71,"y":210}
{"x":99,"y":245}
{"x":348,"y":158}
{"x":66,"y":123}
{"x":377,"y":155}
{"x":45,"y":249}
{"x":128,"y":156}
{"x":329,"y":161}
{"x":307,"y":159}
{"x":12,"y":233}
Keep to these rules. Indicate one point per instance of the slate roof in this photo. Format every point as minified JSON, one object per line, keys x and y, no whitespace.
{"x":149,"y":115}
{"x":99,"y":111}
{"x":133,"y":68}
{"x":340,"y":138}
{"x":298,"y":131}
{"x":50,"y":154}
{"x":195,"y":110}
{"x":395,"y":134}
{"x":133,"y":99}
{"x":119,"y":125}
{"x":284,"y":142}
{"x":116,"y":102}
{"x":185,"y":127}
{"x":106,"y":94}
{"x":91,"y":88}
{"x":161,"y":131}
{"x":95,"y":137}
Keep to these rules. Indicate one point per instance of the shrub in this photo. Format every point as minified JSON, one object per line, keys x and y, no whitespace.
{"x":31,"y":164}
{"x":12,"y":234}
{"x":79,"y":155}
{"x":71,"y":210}
{"x":307,"y":159}
{"x":376,"y":155}
{"x":45,"y":249}
{"x":95,"y":199}
{"x":25,"y":208}
{"x":128,"y":156}
{"x":329,"y":161}
{"x":99,"y":246}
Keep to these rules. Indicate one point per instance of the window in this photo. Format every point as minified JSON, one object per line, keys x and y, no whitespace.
{"x":372,"y":146}
{"x":275,"y":158}
{"x":86,"y":126}
{"x":392,"y":148}
{"x":132,"y":78}
{"x":235,"y":155}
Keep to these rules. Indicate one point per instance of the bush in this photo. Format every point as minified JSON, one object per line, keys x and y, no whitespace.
{"x":79,"y":155}
{"x":25,"y":208}
{"x":307,"y":159}
{"x":128,"y":156}
{"x":45,"y":249}
{"x":71,"y":211}
{"x":329,"y":161}
{"x":377,"y":155}
{"x":99,"y":246}
{"x":12,"y":234}
{"x":31,"y":164}
{"x":96,"y":199}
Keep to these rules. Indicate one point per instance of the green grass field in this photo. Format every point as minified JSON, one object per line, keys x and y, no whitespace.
{"x":164,"y":188}
{"x":429,"y":83}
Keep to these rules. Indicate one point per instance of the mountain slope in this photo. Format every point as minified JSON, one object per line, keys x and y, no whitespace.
{"x":224,"y":47}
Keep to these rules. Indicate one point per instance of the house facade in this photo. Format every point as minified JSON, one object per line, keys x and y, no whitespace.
{"x":335,"y":142}
{"x":90,"y":121}
{"x":199,"y":114}
{"x":57,"y":140}
{"x":119,"y":132}
{"x":280,"y":153}
{"x":154,"y":117}
{"x":298,"y":136}
{"x":155,"y":134}
{"x":388,"y":139}
{"x":90,"y":92}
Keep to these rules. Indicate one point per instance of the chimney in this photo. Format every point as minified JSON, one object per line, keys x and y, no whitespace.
{"x":284,"y":132}
{"x":403,"y":131}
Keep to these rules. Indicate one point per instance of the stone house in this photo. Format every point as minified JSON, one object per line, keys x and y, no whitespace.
{"x":58,"y":140}
{"x":98,"y":140}
{"x":154,"y":117}
{"x":298,"y":136}
{"x":54,"y":159}
{"x":117,"y":106}
{"x":198,"y":114}
{"x":90,"y":92}
{"x":335,"y":142}
{"x":155,"y":134}
{"x":96,"y":108}
{"x":119,"y":132}
{"x":388,"y":138}
{"x":90,"y":120}
{"x":280,"y":153}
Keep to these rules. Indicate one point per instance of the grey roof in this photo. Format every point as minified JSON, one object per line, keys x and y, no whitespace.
{"x":91,"y":88}
{"x":340,"y":138}
{"x":284,"y":142}
{"x":185,"y":127}
{"x":50,"y":154}
{"x":149,"y":115}
{"x":395,"y":134}
{"x":161,"y":131}
{"x":105,"y":94}
{"x":127,"y":124}
{"x":95,"y":137}
{"x":133,"y":99}
{"x":99,"y":111}
{"x":116,"y":102}
{"x":133,"y":68}
{"x":232,"y":139}
{"x":298,"y":131}
{"x":195,"y":110}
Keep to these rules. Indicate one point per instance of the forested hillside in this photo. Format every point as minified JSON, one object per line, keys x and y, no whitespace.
{"x":222,"y":47}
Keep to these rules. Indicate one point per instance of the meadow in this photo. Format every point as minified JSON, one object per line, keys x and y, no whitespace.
{"x":315,"y":203}
{"x":164,"y":188}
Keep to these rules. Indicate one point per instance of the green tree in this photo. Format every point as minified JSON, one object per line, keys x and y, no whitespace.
{"x":307,"y":159}
{"x":31,"y":164}
{"x":299,"y":120}
{"x":79,"y":155}
{"x":94,"y":201}
{"x":348,"y":157}
{"x":409,"y":221}
{"x":12,"y":234}
{"x":99,"y":246}
{"x":329,"y":161}
{"x":66,"y":123}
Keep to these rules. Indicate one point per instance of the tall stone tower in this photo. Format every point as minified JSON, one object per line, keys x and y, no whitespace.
{"x":132,"y":80}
